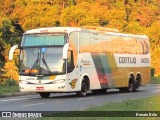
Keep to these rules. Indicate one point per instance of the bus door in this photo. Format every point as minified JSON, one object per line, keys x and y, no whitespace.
{"x":72,"y":72}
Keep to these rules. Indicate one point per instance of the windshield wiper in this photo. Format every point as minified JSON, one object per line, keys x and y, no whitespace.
{"x":44,"y":61}
{"x":36,"y":62}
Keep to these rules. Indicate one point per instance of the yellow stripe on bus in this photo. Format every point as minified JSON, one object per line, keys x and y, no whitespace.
{"x":52,"y":77}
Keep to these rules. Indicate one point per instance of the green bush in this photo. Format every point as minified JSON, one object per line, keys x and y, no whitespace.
{"x":10,"y":82}
{"x":155,"y":80}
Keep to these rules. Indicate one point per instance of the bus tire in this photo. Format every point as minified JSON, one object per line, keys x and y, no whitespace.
{"x":84,"y":89}
{"x":131,"y":84}
{"x":130,"y":87}
{"x":136,"y":85}
{"x":44,"y":94}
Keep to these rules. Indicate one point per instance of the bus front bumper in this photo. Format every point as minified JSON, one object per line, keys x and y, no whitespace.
{"x":43,"y":88}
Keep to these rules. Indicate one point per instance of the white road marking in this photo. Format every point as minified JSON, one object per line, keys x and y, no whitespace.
{"x":156,"y":91}
{"x":33,"y":104}
{"x":85,"y":98}
{"x":124,"y":93}
{"x":13,"y":99}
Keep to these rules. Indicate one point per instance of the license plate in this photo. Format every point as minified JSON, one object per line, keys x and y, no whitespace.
{"x":39,"y":88}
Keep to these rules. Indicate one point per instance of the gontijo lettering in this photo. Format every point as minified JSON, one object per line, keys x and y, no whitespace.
{"x":123,"y":60}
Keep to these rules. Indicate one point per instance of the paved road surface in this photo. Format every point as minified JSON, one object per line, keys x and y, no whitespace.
{"x":70,"y":102}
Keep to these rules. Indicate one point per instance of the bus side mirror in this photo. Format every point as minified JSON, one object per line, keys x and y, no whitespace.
{"x":13,"y":48}
{"x":65,"y":51}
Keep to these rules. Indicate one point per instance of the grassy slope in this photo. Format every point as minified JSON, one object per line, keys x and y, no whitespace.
{"x":147,"y":104}
{"x":8,"y":89}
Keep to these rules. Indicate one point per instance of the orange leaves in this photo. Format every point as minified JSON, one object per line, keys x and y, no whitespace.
{"x":155,"y":61}
{"x":10,"y":71}
{"x":146,"y":15}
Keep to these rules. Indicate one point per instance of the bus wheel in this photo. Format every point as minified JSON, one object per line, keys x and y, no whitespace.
{"x":130,"y":86}
{"x":44,"y":94}
{"x":136,"y":86}
{"x":84,"y":89}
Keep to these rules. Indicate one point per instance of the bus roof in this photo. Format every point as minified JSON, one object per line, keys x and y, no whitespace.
{"x":127,"y":35}
{"x":53,"y":29}
{"x":68,"y":30}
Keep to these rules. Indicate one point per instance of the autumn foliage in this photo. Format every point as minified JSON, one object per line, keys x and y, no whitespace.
{"x":129,"y":16}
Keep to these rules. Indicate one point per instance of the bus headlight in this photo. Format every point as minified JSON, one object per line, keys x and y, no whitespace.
{"x":58,"y":81}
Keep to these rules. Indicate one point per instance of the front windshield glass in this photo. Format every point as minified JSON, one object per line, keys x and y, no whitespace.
{"x":44,"y":39}
{"x":41,"y":60}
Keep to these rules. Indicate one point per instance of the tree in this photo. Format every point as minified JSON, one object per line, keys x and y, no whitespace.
{"x":73,"y":16}
{"x":153,"y":33}
{"x":6,"y":6}
{"x":2,"y":48}
{"x":10,"y":33}
{"x":10,"y":70}
{"x":134,"y":27}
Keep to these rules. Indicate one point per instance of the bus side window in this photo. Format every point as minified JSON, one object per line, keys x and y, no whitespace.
{"x":70,"y":64}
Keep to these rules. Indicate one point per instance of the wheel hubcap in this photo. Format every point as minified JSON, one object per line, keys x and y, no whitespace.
{"x":131,"y":87}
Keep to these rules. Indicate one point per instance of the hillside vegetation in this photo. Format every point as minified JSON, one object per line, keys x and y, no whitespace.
{"x":128,"y":16}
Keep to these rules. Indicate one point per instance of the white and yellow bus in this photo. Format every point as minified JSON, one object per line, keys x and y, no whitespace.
{"x":68,"y":59}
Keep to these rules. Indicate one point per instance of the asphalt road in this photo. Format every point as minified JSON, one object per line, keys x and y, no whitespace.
{"x":70,"y":102}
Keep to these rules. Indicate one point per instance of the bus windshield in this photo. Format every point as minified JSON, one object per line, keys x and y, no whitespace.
{"x":41,"y":60}
{"x":43,"y":39}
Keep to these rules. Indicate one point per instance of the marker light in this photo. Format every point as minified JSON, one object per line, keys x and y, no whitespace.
{"x":31,"y":71}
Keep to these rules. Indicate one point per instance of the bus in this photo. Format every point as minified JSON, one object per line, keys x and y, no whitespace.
{"x":70,"y":59}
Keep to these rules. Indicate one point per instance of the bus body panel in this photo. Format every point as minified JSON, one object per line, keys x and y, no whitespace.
{"x":105,"y":70}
